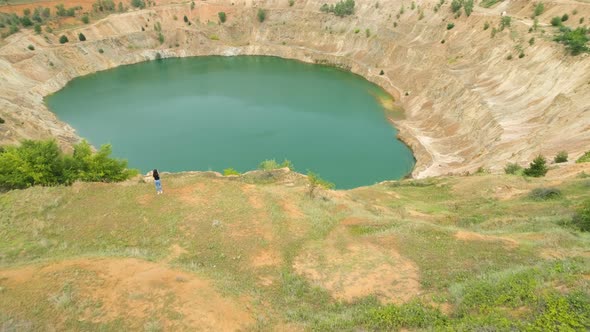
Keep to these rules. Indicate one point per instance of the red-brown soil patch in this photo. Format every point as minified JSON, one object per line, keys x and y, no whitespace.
{"x":137,"y":291}
{"x":350,"y":268}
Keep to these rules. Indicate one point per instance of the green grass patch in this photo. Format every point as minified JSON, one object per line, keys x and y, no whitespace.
{"x":585,"y":158}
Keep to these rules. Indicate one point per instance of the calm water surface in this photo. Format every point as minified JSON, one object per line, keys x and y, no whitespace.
{"x":211,"y":113}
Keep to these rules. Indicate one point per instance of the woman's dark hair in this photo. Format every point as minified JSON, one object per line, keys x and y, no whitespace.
{"x":155,"y":172}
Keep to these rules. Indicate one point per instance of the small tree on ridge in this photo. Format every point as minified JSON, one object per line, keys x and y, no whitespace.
{"x":537,"y":168}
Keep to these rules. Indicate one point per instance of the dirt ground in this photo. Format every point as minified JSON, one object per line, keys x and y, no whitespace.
{"x":351,"y":268}
{"x":137,"y":289}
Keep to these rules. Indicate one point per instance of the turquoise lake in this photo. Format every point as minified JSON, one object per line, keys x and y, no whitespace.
{"x":212,"y":113}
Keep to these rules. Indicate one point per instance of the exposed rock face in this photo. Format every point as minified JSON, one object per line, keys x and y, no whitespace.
{"x":466,"y":105}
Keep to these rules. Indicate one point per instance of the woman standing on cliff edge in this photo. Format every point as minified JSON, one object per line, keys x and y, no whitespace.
{"x":156,"y":176}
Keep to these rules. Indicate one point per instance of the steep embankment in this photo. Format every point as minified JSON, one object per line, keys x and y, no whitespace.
{"x":466,"y":105}
{"x":254,"y":252}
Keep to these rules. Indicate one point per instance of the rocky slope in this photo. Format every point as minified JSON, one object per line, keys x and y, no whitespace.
{"x":465,"y":104}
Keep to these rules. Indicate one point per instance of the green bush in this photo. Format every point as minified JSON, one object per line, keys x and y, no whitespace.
{"x":291,"y":3}
{"x":556,"y":21}
{"x":42,"y":163}
{"x":288,"y":164}
{"x":316,"y":182}
{"x":60,"y":10}
{"x":81,"y":37}
{"x":222,"y":17}
{"x":574,"y":40}
{"x":486,"y":25}
{"x":33,"y":163}
{"x":85,"y":19}
{"x":230,"y":171}
{"x":456,"y":5}
{"x":270,"y":164}
{"x":450,"y":26}
{"x":185,"y":19}
{"x":138,"y":3}
{"x":468,"y":7}
{"x":582,"y":218}
{"x":585,"y":158}
{"x":539,"y":9}
{"x":532,"y":41}
{"x":12,"y":29}
{"x":505,"y":22}
{"x":100,"y":50}
{"x":561,"y":157}
{"x":537,"y":168}
{"x":565,"y":17}
{"x":63,"y":39}
{"x":261,"y":15}
{"x":494,"y":32}
{"x":97,"y":167}
{"x":2,"y":121}
{"x":37,"y":28}
{"x":120,"y":7}
{"x":542,"y":194}
{"x":342,"y":8}
{"x":26,"y":21}
{"x":481,"y":170}
{"x":37,"y":15}
{"x":31,"y":47}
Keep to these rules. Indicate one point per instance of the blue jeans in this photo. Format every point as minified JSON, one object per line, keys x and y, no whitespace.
{"x":158,"y":185}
